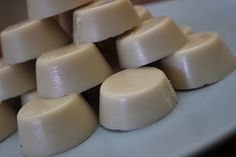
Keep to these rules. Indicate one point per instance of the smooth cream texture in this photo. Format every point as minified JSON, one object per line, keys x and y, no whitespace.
{"x":154,"y":39}
{"x":27,"y":97}
{"x":51,"y":126}
{"x":104,"y":19}
{"x":28,"y":40}
{"x":7,"y":120}
{"x":71,"y":69}
{"x":187,"y":30}
{"x":134,"y":98}
{"x":205,"y":59}
{"x":40,"y":9}
{"x":16,"y":79}
{"x":143,"y":13}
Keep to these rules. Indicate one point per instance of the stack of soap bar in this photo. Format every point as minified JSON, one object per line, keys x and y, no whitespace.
{"x":28,"y":40}
{"x":71,"y":69}
{"x":154,"y":39}
{"x":41,"y":9}
{"x":134,"y":98}
{"x":143,"y":13}
{"x":104,"y":19}
{"x":50,"y":126}
{"x":205,"y":59}
{"x":16,"y":79}
{"x":7,"y":120}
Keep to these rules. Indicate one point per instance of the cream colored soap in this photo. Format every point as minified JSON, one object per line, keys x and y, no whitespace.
{"x":7,"y":120}
{"x":135,"y":98}
{"x":205,"y":59}
{"x":25,"y":98}
{"x":71,"y":69}
{"x":187,"y":30}
{"x":143,"y":13}
{"x":16,"y":79}
{"x":104,"y":19}
{"x":28,"y":40}
{"x":51,"y":126}
{"x":154,"y":39}
{"x":40,"y":9}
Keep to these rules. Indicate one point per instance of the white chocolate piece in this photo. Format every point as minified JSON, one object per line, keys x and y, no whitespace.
{"x":103,"y":19}
{"x":28,"y":40}
{"x":71,"y":69}
{"x":143,"y":12}
{"x":51,"y":126}
{"x":40,"y":9}
{"x":205,"y":59}
{"x":154,"y":39}
{"x":187,"y":30}
{"x":27,"y":97}
{"x":7,"y":120}
{"x":16,"y":79}
{"x":135,"y":98}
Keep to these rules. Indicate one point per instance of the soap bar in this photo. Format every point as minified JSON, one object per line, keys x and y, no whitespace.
{"x":7,"y":120}
{"x":25,"y":98}
{"x":51,"y":126}
{"x":74,"y":68}
{"x":103,"y":19}
{"x":143,"y":13}
{"x":16,"y":79}
{"x":40,"y":9}
{"x":205,"y":59}
{"x":154,"y":39}
{"x":135,"y":98}
{"x":28,"y":40}
{"x":187,"y":30}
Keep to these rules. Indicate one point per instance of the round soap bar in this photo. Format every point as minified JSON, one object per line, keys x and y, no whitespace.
{"x":104,"y":19}
{"x":40,"y":9}
{"x":71,"y":69}
{"x":143,"y":13}
{"x":187,"y":30}
{"x":7,"y":120}
{"x":50,"y":126}
{"x":205,"y":59}
{"x":16,"y":79}
{"x":28,"y":40}
{"x":134,"y":98}
{"x":25,"y":98}
{"x":154,"y":39}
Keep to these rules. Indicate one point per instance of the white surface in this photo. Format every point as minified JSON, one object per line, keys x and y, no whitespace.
{"x":202,"y":116}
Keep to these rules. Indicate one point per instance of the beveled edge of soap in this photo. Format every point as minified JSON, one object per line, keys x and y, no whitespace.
{"x":60,"y":54}
{"x":136,"y":93}
{"x":145,"y":28}
{"x":65,"y":99}
{"x":38,"y":15}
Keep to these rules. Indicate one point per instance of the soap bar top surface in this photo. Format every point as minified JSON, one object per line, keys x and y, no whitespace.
{"x":40,"y":9}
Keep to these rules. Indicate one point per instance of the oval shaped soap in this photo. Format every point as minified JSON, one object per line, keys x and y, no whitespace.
{"x":135,"y":98}
{"x":51,"y":126}
{"x":104,"y":19}
{"x":154,"y":39}
{"x":74,"y":68}
{"x":205,"y":59}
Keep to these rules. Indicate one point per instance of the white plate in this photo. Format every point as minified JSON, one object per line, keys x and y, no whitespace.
{"x":202,"y":117}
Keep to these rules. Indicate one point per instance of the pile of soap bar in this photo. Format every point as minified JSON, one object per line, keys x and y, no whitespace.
{"x":71,"y":55}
